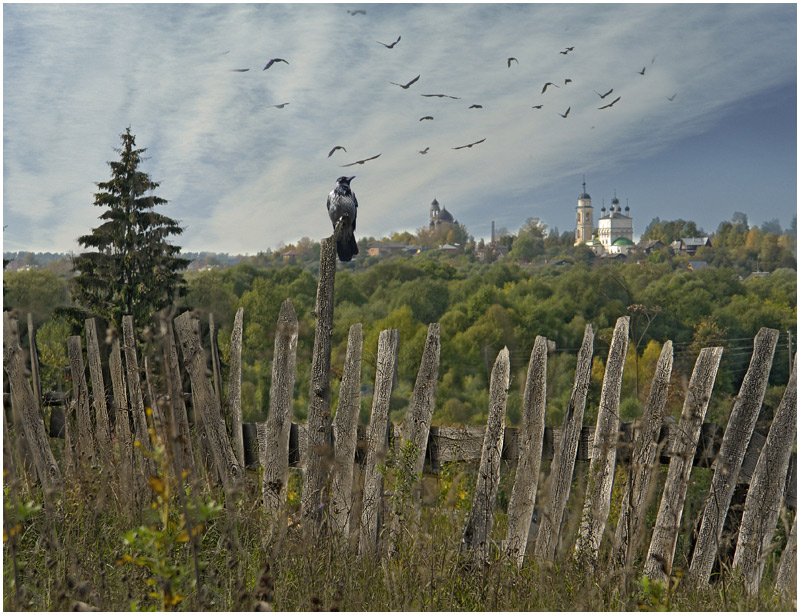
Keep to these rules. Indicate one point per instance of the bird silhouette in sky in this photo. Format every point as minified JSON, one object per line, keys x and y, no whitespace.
{"x":509,"y":61}
{"x":641,"y":72}
{"x":566,"y":51}
{"x":407,"y":85}
{"x":536,"y":107}
{"x":566,"y":113}
{"x":671,"y":98}
{"x":427,"y":117}
{"x":603,"y":95}
{"x":546,"y":84}
{"x":343,"y":205}
{"x":330,"y":153}
{"x":357,"y":12}
{"x":440,"y":96}
{"x":239,"y":70}
{"x":470,"y":144}
{"x":611,"y":104}
{"x":391,"y":45}
{"x":424,"y":151}
{"x":272,"y":61}
{"x":476,"y":106}
{"x":566,"y":81}
{"x":360,"y":161}
{"x":280,"y":106}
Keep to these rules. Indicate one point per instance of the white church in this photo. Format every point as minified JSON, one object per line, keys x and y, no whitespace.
{"x":614,"y":233}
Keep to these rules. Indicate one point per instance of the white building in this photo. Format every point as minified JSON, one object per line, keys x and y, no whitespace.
{"x":614,"y":229}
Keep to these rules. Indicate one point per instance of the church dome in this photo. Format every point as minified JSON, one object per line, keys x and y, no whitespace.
{"x":622,"y":241}
{"x":584,"y":196}
{"x":445,"y":216}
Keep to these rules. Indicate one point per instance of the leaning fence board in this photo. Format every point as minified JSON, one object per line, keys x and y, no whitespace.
{"x":32,"y":424}
{"x":228,"y":469}
{"x":216,"y":367}
{"x":273,"y":436}
{"x":786,"y":580}
{"x":642,"y":464}
{"x":37,"y":385}
{"x":479,"y":524}
{"x":235,"y":387}
{"x":764,"y":496}
{"x":658,"y":564}
{"x":179,"y":418}
{"x":141,"y":434}
{"x":597,"y":502}
{"x":102,"y":425}
{"x":738,"y":432}
{"x":377,"y":441}
{"x":548,"y":537}
{"x":345,"y":434}
{"x":84,"y":440}
{"x":122,"y":425}
{"x":319,"y":406}
{"x":526,"y":480}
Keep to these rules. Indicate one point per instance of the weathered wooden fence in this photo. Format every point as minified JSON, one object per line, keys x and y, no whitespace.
{"x":104,"y":437}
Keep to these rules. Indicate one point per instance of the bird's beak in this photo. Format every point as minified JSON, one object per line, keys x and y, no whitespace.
{"x":352,"y":178}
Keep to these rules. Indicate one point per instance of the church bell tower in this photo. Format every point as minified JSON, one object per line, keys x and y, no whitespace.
{"x":584,"y":227}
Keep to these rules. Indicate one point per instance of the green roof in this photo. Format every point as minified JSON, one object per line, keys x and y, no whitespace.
{"x":622,"y":241}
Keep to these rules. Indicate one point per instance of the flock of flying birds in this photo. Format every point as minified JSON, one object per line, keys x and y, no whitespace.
{"x":406,"y":86}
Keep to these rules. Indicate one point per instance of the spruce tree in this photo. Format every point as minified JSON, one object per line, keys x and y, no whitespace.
{"x":134,"y":269}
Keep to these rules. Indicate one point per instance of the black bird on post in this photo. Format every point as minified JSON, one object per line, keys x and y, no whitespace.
{"x":342,"y":204}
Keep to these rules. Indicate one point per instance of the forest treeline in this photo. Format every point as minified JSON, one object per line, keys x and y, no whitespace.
{"x":483,"y":307}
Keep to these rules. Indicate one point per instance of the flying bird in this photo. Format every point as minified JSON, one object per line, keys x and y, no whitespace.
{"x":360,"y":161}
{"x":427,"y":117}
{"x":611,"y":104}
{"x":641,"y":72}
{"x":603,"y":95}
{"x":671,"y":98}
{"x":342,"y":205}
{"x":566,"y":113}
{"x":476,"y":106}
{"x":272,"y":61}
{"x":566,"y":51}
{"x":239,"y":70}
{"x":357,"y":12}
{"x":390,"y":46}
{"x":470,"y":144}
{"x":440,"y":96}
{"x":407,"y":85}
{"x":536,"y":107}
{"x":509,"y":61}
{"x":280,"y":106}
{"x":330,"y":153}
{"x":566,"y":81}
{"x":548,"y":83}
{"x":424,"y":151}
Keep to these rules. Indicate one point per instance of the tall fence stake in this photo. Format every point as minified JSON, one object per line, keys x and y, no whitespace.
{"x":235,"y":387}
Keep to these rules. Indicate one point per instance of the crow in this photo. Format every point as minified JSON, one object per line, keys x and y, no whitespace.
{"x":357,"y":12}
{"x":476,"y":107}
{"x":566,"y":113}
{"x":509,"y":61}
{"x":566,"y":51}
{"x":603,"y":95}
{"x":330,"y":153}
{"x":407,"y":85}
{"x":470,"y":144}
{"x":360,"y":161}
{"x":280,"y":106}
{"x":440,"y":96}
{"x":611,"y":104}
{"x":342,"y":205}
{"x":239,"y":70}
{"x":424,"y":151}
{"x":536,"y":107}
{"x":641,"y":72}
{"x":427,"y":117}
{"x":548,"y":83}
{"x":272,"y":61}
{"x":391,"y":46}
{"x":566,"y":81}
{"x":671,"y":98}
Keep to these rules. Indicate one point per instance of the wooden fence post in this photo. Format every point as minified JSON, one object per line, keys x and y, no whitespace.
{"x":122,"y":427}
{"x":658,"y":564}
{"x":345,"y":435}
{"x":597,"y":503}
{"x":35,"y":378}
{"x":141,"y":434}
{"x":377,"y":441}
{"x":215,"y":362}
{"x":642,"y":464}
{"x":765,"y":494}
{"x":102,"y":425}
{"x":273,"y":435}
{"x":32,"y":424}
{"x":318,"y":424}
{"x":523,"y":494}
{"x":180,"y":420}
{"x":87,"y":457}
{"x":740,"y":427}
{"x":207,"y":404}
{"x":786,"y":581}
{"x":548,"y":537}
{"x":479,"y":524}
{"x":235,"y":387}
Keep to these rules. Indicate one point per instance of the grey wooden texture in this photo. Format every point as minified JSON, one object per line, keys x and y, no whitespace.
{"x":31,"y":421}
{"x":548,"y":537}
{"x":9,"y":467}
{"x":102,"y":424}
{"x":737,"y":436}
{"x":122,"y":427}
{"x":377,"y":444}
{"x":235,"y":386}
{"x":84,"y":441}
{"x":213,"y":334}
{"x":179,"y":418}
{"x":273,"y":435}
{"x":764,"y":497}
{"x":597,"y":502}
{"x":345,"y":435}
{"x":319,"y":406}
{"x":786,"y":579}
{"x":658,"y":564}
{"x":526,"y":480}
{"x":479,"y":524}
{"x":135,"y":399}
{"x":642,"y":465}
{"x":207,"y":404}
{"x":35,"y":377}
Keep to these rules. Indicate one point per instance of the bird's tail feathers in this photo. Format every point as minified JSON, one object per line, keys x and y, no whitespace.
{"x":346,"y":246}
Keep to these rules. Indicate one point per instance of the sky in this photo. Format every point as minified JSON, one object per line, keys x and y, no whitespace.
{"x":242,"y":176}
